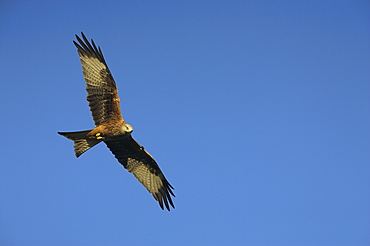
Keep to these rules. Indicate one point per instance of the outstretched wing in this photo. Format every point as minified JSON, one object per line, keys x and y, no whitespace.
{"x":100,"y":86}
{"x":140,"y":163}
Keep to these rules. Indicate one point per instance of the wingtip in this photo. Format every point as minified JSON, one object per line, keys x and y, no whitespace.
{"x":165,"y":202}
{"x":82,"y":34}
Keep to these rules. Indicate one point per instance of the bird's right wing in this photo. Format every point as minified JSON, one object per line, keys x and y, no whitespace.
{"x":102,"y":90}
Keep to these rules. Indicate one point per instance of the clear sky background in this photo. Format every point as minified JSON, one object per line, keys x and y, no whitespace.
{"x":258,"y":113}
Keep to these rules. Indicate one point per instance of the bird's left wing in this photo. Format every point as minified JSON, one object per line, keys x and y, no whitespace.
{"x":140,"y":163}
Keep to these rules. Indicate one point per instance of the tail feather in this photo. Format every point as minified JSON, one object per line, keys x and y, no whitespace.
{"x":81,"y":143}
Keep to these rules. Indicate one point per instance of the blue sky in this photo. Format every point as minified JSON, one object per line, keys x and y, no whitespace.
{"x":256,"y":111}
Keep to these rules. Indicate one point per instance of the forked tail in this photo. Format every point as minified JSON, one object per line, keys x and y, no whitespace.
{"x":81,"y":143}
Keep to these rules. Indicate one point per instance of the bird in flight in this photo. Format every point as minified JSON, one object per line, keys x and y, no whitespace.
{"x":111,"y":128}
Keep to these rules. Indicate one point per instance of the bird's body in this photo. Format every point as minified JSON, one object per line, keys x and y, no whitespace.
{"x":111,"y":128}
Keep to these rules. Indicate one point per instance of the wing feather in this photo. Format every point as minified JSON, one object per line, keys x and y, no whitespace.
{"x":100,"y":85}
{"x":142,"y":165}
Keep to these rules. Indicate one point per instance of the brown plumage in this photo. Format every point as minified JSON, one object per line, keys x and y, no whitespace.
{"x":110,"y":127}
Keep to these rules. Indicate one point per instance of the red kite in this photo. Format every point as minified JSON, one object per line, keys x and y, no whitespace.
{"x":111,"y":128}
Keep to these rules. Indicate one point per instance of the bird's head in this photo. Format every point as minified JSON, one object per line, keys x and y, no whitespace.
{"x":127,"y":129}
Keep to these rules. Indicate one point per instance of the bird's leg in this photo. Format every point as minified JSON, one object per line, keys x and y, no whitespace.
{"x":98,"y":136}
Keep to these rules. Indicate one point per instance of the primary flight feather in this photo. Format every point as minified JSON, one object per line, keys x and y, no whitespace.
{"x":111,"y":128}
